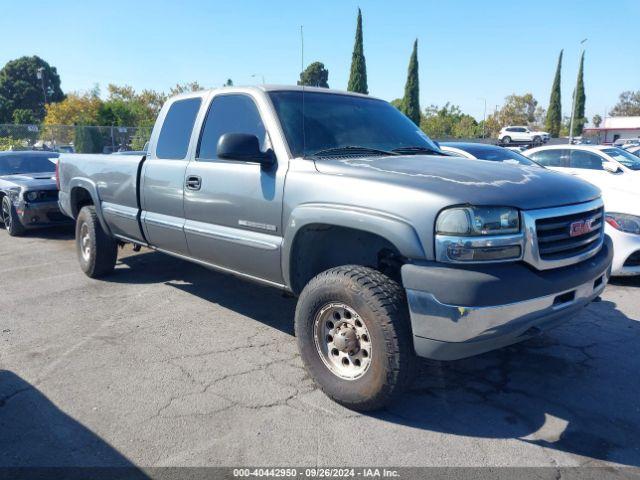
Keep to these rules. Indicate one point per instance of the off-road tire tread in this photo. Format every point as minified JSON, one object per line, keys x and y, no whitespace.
{"x":387,"y":299}
{"x":105,"y":247}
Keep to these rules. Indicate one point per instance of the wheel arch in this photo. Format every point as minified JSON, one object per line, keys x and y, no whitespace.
{"x":85,"y":192}
{"x":319,"y":237}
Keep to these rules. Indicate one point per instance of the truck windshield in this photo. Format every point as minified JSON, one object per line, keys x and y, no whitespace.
{"x":355,"y":125}
{"x":13,"y":164}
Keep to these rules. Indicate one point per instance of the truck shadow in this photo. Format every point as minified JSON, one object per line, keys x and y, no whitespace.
{"x":35,"y":433}
{"x":574,"y":389}
{"x":264,"y":304}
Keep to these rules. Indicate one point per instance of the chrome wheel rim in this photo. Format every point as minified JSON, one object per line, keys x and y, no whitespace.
{"x":342,"y":341}
{"x":6,"y":215}
{"x":85,"y":242}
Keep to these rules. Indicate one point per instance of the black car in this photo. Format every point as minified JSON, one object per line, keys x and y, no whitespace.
{"x":28,"y":191}
{"x":484,"y":151}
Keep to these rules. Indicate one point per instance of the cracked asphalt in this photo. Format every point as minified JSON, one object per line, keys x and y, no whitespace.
{"x":168,"y":364}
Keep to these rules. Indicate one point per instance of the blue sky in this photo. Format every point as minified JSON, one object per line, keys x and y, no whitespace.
{"x":468,"y":50}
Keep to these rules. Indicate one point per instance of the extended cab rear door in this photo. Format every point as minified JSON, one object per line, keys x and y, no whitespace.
{"x":163,"y":173}
{"x":233,"y":208}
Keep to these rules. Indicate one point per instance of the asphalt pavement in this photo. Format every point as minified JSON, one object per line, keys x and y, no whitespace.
{"x":166,"y":363}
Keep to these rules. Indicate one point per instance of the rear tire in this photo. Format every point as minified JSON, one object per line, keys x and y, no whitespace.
{"x":506,"y":140}
{"x":10,"y":218}
{"x":97,"y":251}
{"x":354,"y":336}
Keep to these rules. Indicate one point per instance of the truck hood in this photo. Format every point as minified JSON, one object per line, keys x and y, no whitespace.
{"x":44,"y":180}
{"x":464,"y":181}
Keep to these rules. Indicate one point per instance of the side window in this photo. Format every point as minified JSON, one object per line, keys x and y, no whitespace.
{"x":229,"y":114}
{"x":175,"y":134}
{"x":510,"y":129}
{"x":586,"y":160}
{"x":551,"y":158}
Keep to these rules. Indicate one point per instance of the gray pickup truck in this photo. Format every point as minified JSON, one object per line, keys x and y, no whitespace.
{"x":393,"y":248}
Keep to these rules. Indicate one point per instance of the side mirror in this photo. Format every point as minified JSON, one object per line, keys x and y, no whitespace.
{"x":245,"y":147}
{"x":611,"y":167}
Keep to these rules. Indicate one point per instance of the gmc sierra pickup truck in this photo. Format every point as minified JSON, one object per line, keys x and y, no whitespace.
{"x":393,"y":248}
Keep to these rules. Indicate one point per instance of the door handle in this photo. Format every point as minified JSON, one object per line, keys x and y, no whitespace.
{"x":194,"y":182}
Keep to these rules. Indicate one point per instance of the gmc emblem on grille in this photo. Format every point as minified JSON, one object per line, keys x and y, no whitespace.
{"x":581,"y":227}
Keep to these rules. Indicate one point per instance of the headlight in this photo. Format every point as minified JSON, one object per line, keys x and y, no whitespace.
{"x":623,"y":222}
{"x":473,"y":221}
{"x":478,"y":234}
{"x":31,"y":196}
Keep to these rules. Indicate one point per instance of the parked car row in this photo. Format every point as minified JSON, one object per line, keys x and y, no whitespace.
{"x":395,"y":247}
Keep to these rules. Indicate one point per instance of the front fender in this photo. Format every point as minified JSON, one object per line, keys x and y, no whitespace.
{"x":394,"y":229}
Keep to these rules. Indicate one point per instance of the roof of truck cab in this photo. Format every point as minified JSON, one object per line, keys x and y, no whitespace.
{"x":276,"y":88}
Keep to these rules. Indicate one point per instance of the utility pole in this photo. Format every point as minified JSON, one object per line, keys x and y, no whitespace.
{"x":573,"y":103}
{"x":484,"y":117}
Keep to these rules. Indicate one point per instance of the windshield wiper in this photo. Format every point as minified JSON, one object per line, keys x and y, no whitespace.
{"x":417,"y":150}
{"x":351,"y":150}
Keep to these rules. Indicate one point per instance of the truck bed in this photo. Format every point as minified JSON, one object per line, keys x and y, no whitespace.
{"x":112,"y":181}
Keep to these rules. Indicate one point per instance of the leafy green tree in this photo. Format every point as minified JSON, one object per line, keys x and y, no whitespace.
{"x":628,"y":105}
{"x":315,"y":75}
{"x":578,"y":113}
{"x":554,"y":113}
{"x":397,"y":102}
{"x":596,"y":120}
{"x":21,"y":89}
{"x":448,"y":122}
{"x":22,"y":116}
{"x":88,"y":139}
{"x":411,"y":99}
{"x":228,"y":83}
{"x":358,"y":75}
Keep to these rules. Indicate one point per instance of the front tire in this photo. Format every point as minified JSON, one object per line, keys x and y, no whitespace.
{"x":97,"y":251}
{"x":10,"y":218}
{"x":537,"y":141}
{"x":353,"y":333}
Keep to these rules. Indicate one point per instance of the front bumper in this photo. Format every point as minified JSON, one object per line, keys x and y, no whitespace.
{"x":41,"y":214}
{"x":473,"y":310}
{"x":625,"y":245}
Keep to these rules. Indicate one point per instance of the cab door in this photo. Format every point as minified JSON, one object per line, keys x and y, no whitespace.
{"x":233,"y":208}
{"x":162,"y":177}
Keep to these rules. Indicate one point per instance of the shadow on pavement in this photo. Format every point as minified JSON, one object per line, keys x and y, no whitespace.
{"x":574,"y":389}
{"x":264,"y":304}
{"x":35,"y":433}
{"x":62,"y":232}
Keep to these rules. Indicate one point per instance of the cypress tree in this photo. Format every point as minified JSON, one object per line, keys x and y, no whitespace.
{"x":578,"y":112}
{"x":358,"y":76}
{"x":554,"y":113}
{"x":411,"y":101}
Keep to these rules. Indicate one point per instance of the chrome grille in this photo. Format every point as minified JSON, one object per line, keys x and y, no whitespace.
{"x":555,"y":240}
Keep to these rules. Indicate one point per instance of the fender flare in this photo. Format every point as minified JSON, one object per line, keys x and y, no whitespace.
{"x":397,"y":231}
{"x":92,"y":188}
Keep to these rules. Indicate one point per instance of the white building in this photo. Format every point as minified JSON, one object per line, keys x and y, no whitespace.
{"x":614,"y":128}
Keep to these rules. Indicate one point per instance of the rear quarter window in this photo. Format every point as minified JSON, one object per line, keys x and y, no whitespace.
{"x":175,"y":134}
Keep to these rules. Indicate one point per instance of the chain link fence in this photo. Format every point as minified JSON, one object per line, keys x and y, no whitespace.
{"x":73,"y":138}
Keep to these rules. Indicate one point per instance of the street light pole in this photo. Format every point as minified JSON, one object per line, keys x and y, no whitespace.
{"x":40,"y":75}
{"x":573,"y":102}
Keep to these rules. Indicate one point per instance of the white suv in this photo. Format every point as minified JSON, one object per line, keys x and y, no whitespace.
{"x":519,"y":134}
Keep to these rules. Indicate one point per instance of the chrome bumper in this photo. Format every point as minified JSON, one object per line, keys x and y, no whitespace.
{"x":450,"y":332}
